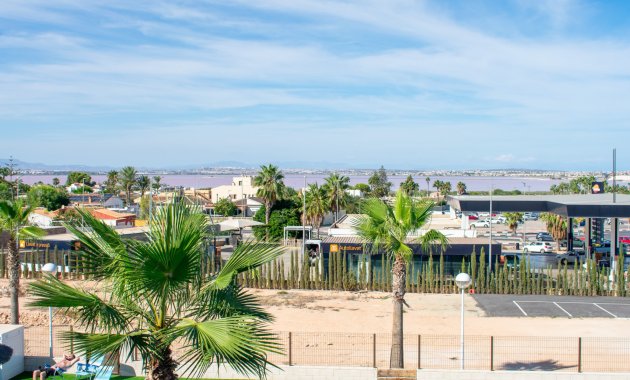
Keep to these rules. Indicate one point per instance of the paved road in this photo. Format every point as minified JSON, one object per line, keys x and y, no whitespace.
{"x":496,"y":305}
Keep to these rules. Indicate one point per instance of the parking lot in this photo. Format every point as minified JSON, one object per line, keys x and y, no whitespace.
{"x":553,"y":306}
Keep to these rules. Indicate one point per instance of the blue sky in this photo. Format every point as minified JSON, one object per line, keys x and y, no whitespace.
{"x":463,"y":84}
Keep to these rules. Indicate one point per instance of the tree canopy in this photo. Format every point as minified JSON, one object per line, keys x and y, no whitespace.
{"x":379,"y":185}
{"x":225,"y":207}
{"x":52,"y":198}
{"x":79,"y":177}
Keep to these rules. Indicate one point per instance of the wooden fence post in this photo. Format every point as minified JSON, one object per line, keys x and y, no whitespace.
{"x":374,"y":350}
{"x":419,"y":351}
{"x":492,"y":353}
{"x":290,"y":350}
{"x":580,"y":354}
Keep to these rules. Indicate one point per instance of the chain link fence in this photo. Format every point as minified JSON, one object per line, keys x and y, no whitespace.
{"x":506,"y":353}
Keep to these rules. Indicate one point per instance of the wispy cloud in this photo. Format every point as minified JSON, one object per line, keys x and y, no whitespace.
{"x":345,"y":67}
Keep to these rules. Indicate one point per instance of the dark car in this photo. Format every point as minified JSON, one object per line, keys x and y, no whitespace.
{"x":511,"y":260}
{"x":541,"y":235}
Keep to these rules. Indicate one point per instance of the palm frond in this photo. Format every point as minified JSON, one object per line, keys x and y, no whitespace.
{"x":239,"y":342}
{"x":50,"y":292}
{"x":246,"y":256}
{"x":232,"y":300}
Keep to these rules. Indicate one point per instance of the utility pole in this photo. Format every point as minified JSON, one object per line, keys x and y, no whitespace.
{"x":304,"y":219}
{"x":490,"y":245}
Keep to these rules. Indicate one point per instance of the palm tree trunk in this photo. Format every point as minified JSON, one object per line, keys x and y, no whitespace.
{"x":399,"y":274}
{"x":163,"y":368}
{"x":14,"y":280}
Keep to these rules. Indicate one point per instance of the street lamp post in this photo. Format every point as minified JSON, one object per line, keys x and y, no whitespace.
{"x":50,"y":268}
{"x":463,"y":281}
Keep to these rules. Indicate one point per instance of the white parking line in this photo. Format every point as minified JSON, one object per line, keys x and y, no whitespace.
{"x":570,"y":316}
{"x":605,"y":310}
{"x":520,"y":308}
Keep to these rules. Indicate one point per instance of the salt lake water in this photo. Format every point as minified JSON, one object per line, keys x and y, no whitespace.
{"x":473,"y":183}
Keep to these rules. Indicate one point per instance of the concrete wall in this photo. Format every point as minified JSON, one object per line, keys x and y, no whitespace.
{"x":12,"y":336}
{"x":134,"y":368}
{"x":427,"y":374}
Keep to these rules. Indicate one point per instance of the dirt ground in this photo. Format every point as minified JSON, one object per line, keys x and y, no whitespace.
{"x":370,"y":312}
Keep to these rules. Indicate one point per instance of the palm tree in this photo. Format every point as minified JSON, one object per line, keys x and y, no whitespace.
{"x":388,"y":227}
{"x":428,"y":180}
{"x":461,"y":188}
{"x":127,"y":180}
{"x":316,"y":205}
{"x":158,"y":293}
{"x":156,"y":183}
{"x":271,"y":185}
{"x":14,"y":220}
{"x":336,"y":186}
{"x":512,"y":219}
{"x":111,"y":182}
{"x":409,"y":186}
{"x":556,"y":226}
{"x":143,"y":182}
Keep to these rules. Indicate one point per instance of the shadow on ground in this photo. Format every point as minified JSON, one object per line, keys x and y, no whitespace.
{"x":545,"y":365}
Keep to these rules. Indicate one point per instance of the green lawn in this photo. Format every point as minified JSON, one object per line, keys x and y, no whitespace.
{"x":29,"y":376}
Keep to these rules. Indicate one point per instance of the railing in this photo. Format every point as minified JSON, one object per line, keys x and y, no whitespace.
{"x":507,"y":353}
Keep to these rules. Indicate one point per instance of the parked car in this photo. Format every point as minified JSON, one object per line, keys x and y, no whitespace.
{"x":499,"y":219}
{"x":577,"y":243}
{"x":538,"y":246}
{"x":480,"y":223}
{"x":511,"y":260}
{"x":541,"y":235}
{"x":530,"y":216}
{"x":571,"y":257}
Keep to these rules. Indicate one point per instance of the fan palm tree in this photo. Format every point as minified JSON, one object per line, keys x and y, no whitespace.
{"x":143,"y":182}
{"x":127,"y":180}
{"x":461,"y":188}
{"x":409,"y":186}
{"x":157,"y":183}
{"x":316,"y":205}
{"x":270,"y":186}
{"x":512,"y":219}
{"x":159,"y":294}
{"x":556,"y":226}
{"x":336,"y":186}
{"x":14,"y":220}
{"x":388,"y":227}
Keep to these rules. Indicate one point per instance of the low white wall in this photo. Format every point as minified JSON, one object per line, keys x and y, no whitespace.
{"x":12,"y":336}
{"x":284,"y":373}
{"x":428,"y":374}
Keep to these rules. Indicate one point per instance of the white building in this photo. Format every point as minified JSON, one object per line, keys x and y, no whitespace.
{"x":241,"y":188}
{"x":40,"y":217}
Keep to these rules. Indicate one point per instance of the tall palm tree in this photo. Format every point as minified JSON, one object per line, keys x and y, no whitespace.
{"x":316,"y":205}
{"x":461,"y":188}
{"x":556,"y":226}
{"x":409,"y":186}
{"x":336,"y":186}
{"x":388,"y":227}
{"x":156,"y":183}
{"x":143,"y":182}
{"x":512,"y":219}
{"x":14,"y":220}
{"x":111,"y":183}
{"x":270,"y":186}
{"x":127,"y":180}
{"x":428,"y":180}
{"x":158,"y":293}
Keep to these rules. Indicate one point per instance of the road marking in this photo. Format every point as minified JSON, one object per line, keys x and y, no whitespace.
{"x":614,"y":316}
{"x":570,"y":316}
{"x":520,"y":308}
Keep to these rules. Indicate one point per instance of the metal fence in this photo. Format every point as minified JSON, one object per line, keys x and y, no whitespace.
{"x":511,"y":353}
